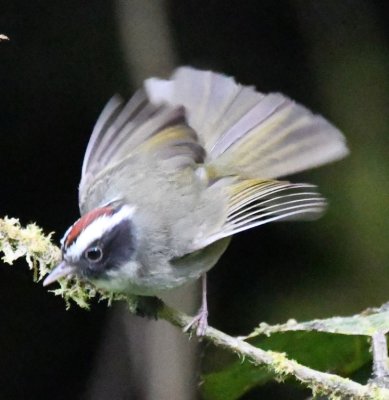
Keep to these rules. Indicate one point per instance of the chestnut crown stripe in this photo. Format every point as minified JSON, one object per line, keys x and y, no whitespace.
{"x":96,"y":229}
{"x":85,"y":221}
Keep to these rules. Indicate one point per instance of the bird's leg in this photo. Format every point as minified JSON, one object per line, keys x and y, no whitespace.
{"x":201,"y":319}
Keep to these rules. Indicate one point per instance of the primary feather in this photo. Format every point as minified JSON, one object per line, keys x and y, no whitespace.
{"x":136,"y":128}
{"x":254,"y":202}
{"x":245,"y":132}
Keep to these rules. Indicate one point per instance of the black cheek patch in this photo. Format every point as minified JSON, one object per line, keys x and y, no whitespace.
{"x":118,"y":248}
{"x":118,"y":245}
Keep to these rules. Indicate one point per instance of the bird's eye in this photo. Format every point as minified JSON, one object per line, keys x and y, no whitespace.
{"x":94,"y":254}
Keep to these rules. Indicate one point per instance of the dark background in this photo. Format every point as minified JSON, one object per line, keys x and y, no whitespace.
{"x":64,"y":61}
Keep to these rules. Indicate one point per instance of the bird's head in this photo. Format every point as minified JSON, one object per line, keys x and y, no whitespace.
{"x":99,"y":242}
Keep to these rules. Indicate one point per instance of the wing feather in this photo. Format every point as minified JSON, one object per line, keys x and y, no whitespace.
{"x":247,"y":133}
{"x":109,"y":113}
{"x":253,"y":203}
{"x":137,"y":127}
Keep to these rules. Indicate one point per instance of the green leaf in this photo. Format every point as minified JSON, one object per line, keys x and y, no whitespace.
{"x":322,"y":351}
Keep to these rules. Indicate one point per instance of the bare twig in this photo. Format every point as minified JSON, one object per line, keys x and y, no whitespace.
{"x":380,"y":359}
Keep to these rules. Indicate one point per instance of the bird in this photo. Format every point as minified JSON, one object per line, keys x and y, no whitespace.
{"x":171,"y":175}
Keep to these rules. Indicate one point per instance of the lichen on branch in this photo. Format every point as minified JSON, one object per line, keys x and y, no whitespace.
{"x":29,"y":242}
{"x":42,"y":256}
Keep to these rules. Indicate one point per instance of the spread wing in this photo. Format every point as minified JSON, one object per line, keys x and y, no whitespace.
{"x":137,"y":128}
{"x":246,"y":132}
{"x":253,"y":202}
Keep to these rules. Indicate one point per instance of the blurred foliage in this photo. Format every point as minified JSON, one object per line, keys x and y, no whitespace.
{"x":333,"y":353}
{"x":337,"y":345}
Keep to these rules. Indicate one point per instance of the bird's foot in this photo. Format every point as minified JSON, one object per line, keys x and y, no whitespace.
{"x":200,"y":321}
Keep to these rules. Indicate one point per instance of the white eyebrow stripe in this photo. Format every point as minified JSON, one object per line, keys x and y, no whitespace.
{"x":96,"y":229}
{"x":66,"y":235}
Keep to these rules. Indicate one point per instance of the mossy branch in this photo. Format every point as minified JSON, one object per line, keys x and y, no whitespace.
{"x":41,"y":255}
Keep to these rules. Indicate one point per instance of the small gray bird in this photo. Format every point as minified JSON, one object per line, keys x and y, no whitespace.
{"x":170,"y":176}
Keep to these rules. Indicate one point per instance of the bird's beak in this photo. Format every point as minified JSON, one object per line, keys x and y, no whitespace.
{"x":59,"y":271}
